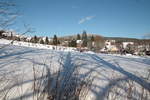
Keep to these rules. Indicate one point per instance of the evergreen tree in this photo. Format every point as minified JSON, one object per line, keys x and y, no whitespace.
{"x":1,"y":33}
{"x":92,"y":38}
{"x":46,"y":40}
{"x":41,"y":41}
{"x":11,"y":36}
{"x":55,"y":41}
{"x":78,"y":37}
{"x":84,"y":35}
{"x":58,"y":42}
{"x":73,"y":43}
{"x":84,"y":39}
{"x":35,"y":40}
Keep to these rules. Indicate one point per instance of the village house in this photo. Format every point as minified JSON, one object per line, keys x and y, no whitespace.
{"x":79,"y":43}
{"x":125,"y":44}
{"x":64,"y":43}
{"x":110,"y":46}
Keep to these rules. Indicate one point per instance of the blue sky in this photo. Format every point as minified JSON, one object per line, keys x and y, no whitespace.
{"x":113,"y":18}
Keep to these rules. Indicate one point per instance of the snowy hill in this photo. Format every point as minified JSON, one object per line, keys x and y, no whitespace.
{"x":25,"y":68}
{"x":37,"y":45}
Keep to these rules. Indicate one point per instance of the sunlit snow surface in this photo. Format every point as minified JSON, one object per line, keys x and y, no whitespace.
{"x":17,"y":65}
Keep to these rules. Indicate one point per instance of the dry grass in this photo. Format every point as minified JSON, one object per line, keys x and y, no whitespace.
{"x":60,"y":85}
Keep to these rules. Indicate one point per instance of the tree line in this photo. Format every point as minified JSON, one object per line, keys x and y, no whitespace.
{"x":85,"y":40}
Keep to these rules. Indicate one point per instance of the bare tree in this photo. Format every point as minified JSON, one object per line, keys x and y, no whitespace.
{"x":99,"y":43}
{"x":8,"y":13}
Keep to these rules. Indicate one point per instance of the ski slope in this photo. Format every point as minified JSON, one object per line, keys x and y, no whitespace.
{"x":111,"y":74}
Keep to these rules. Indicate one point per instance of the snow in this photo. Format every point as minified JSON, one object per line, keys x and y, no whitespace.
{"x":108,"y":70}
{"x":37,"y":45}
{"x":89,"y":52}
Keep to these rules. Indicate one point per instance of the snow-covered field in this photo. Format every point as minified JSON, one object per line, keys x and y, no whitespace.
{"x":113,"y":76}
{"x":36,"y":45}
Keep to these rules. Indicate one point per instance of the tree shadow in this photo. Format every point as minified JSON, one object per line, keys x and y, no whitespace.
{"x":97,"y":64}
{"x":52,"y":83}
{"x":138,"y":60}
{"x":133,"y":77}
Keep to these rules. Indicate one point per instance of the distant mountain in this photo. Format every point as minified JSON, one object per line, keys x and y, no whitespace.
{"x":70,"y":37}
{"x":118,"y":39}
{"x":122,"y":39}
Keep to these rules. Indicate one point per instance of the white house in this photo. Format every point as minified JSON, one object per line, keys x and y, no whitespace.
{"x":28,"y":38}
{"x":79,"y":41}
{"x":110,"y":45}
{"x":8,"y":33}
{"x":126,"y":43}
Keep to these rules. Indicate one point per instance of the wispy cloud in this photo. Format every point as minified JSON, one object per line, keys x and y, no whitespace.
{"x":81,"y":21}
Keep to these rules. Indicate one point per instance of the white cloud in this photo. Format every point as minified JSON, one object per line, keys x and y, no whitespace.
{"x":85,"y":19}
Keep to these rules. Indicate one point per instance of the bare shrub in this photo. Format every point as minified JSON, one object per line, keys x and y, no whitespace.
{"x":60,"y":86}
